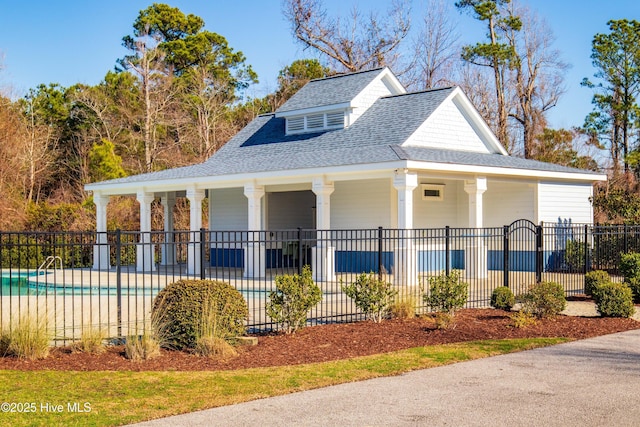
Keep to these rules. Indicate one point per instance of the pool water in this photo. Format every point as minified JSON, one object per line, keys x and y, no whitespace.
{"x":18,"y":284}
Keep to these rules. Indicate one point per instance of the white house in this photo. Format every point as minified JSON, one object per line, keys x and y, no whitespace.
{"x":357,"y":151}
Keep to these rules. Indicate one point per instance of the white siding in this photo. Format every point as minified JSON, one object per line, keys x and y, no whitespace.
{"x":448,"y":129}
{"x":505,"y":202}
{"x":565,"y":201}
{"x":290,"y":210}
{"x":361,"y":204}
{"x":366,"y":98}
{"x":440,"y":213}
{"x":228,"y":209}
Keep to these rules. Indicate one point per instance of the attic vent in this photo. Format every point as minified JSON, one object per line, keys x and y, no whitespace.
{"x":295,"y":124}
{"x":432,"y":191}
{"x":315,"y":121}
{"x":335,"y":119}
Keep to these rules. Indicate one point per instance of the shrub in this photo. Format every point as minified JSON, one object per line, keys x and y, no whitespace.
{"x":630,"y":265}
{"x":544,"y":299}
{"x":593,"y":279}
{"x":575,"y":255}
{"x":447,"y":293}
{"x":29,"y":339}
{"x":614,"y":300}
{"x":181,"y":306}
{"x":371,"y":295}
{"x":502,"y":298}
{"x":293,"y":298}
{"x":634,"y":285}
{"x":522,"y":319}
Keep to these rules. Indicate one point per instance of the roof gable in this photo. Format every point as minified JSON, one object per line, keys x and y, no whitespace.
{"x":340,"y":92}
{"x":454,"y":126}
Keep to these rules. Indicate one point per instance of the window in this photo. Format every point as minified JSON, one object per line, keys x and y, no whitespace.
{"x":432,"y":191}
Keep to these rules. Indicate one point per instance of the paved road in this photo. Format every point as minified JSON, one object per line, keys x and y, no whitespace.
{"x":593,"y":382}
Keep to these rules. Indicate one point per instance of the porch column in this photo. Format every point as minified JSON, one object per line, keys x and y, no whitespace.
{"x":144,"y":250}
{"x":405,"y":255}
{"x":254,"y":254}
{"x":195,"y":196}
{"x":168,"y":201}
{"x":101,"y":257}
{"x":323,"y":254}
{"x":476,"y":249}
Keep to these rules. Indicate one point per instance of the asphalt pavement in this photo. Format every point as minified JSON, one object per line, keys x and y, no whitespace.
{"x":592,"y":382}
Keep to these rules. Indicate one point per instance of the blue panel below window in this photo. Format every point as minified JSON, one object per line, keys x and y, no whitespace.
{"x":223,"y":257}
{"x":518,"y":260}
{"x":435,"y":260}
{"x":361,"y":261}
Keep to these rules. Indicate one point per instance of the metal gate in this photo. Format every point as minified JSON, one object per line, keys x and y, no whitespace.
{"x":522,"y":255}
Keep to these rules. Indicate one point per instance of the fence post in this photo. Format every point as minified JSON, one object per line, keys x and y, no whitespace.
{"x":300,"y":251}
{"x":119,"y":280}
{"x":380,"y":264}
{"x":539,"y":253}
{"x":626,"y":238}
{"x":586,"y":249}
{"x":447,"y":250}
{"x":505,"y":255}
{"x":203,"y":253}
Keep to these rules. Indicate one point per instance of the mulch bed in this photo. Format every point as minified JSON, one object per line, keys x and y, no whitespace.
{"x":335,"y":341}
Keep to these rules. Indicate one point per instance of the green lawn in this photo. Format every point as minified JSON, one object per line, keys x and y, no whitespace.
{"x":116,"y":398}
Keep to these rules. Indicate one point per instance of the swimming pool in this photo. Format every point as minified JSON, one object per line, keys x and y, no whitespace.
{"x":24,"y":283}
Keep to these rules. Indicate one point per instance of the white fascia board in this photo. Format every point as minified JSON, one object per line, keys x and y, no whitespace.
{"x":319,"y":109}
{"x":505,"y":172}
{"x":476,"y":121}
{"x":393,"y":81}
{"x":337,"y":173}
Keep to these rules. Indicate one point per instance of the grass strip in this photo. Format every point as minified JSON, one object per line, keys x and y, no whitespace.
{"x":105,"y":398}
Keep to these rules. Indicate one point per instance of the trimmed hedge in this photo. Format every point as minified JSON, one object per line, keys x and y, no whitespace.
{"x":182,"y":306}
{"x":593,"y":279}
{"x":614,"y":300}
{"x":502,"y":298}
{"x":544,"y":299}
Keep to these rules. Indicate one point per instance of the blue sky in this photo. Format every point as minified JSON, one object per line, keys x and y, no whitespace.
{"x":78,"y":41}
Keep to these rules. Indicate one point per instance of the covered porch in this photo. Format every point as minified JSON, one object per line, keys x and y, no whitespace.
{"x":244,"y":216}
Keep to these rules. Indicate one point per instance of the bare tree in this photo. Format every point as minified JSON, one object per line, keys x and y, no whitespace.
{"x":354,"y":45}
{"x":538,"y":75}
{"x":35,"y":153}
{"x":436,"y":49}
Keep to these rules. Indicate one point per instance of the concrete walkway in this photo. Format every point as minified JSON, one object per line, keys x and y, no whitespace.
{"x":593,"y":382}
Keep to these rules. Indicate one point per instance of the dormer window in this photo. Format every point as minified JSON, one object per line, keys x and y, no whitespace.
{"x":315,"y":122}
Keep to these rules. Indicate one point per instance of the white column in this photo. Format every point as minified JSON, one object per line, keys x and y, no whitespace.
{"x":195,"y":196}
{"x":101,"y":256}
{"x":145,"y":252}
{"x":168,"y":201}
{"x":476,"y":249}
{"x":323,"y":254}
{"x":254,"y":254}
{"x":405,"y":253}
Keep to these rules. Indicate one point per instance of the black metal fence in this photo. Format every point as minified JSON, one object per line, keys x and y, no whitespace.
{"x":109,"y":280}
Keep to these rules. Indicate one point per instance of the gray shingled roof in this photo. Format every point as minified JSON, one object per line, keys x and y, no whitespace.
{"x":329,"y":91}
{"x":376,"y":137}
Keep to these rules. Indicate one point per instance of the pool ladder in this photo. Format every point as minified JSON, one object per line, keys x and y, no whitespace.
{"x":56,"y":261}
